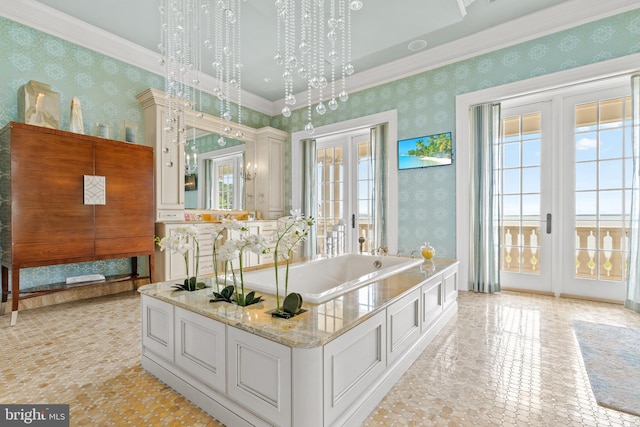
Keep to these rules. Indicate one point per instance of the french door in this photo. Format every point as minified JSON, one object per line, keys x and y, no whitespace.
{"x":344,"y":193}
{"x":524,"y":197}
{"x":597,"y":222}
{"x":564,"y":195}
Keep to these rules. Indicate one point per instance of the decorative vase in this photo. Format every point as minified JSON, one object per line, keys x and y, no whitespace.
{"x":427,"y":251}
{"x":39,"y":105}
{"x":75,"y":121}
{"x":101,"y":130}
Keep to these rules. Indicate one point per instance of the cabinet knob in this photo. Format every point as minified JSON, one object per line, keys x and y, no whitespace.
{"x":165,"y":150}
{"x":170,"y":164}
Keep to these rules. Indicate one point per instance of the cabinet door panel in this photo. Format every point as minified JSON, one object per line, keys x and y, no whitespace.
{"x":352,"y":363}
{"x":47,"y":187}
{"x":432,"y":301}
{"x":129,"y":190}
{"x":451,"y":286}
{"x":200,"y":347}
{"x":157,"y":328}
{"x":259,"y":375}
{"x":403,"y":325}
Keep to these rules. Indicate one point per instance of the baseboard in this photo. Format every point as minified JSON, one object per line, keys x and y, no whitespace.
{"x":526,"y":291}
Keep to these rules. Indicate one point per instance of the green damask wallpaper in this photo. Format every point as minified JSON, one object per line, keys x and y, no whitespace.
{"x":425,"y":103}
{"x":107,"y":90}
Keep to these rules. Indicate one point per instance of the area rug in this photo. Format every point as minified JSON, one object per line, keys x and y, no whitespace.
{"x":611,"y":357}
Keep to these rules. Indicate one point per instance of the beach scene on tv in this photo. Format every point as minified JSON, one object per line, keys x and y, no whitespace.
{"x":432,"y":150}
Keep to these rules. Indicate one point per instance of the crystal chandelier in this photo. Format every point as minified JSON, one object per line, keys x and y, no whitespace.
{"x":309,"y":38}
{"x":186,"y":31}
{"x":227,"y":62}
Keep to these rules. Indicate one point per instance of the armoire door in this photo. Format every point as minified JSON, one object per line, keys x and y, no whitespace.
{"x":125,"y":223}
{"x":47,"y":194}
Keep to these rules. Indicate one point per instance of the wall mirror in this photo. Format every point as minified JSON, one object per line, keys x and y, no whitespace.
{"x":214,"y":175}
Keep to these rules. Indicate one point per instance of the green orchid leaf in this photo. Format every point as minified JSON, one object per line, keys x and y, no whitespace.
{"x":228,"y":291}
{"x":251,"y":298}
{"x":224,"y":295}
{"x":292,"y":303}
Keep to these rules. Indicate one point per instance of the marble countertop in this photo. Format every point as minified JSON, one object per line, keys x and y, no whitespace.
{"x":317,"y":326}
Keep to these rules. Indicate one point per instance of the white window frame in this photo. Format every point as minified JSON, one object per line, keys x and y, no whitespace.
{"x":601,"y":74}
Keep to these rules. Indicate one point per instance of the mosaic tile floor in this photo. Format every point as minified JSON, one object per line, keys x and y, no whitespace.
{"x":506,"y":360}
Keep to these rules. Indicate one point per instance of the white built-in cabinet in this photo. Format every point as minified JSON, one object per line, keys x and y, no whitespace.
{"x":241,"y":378}
{"x":269,"y":182}
{"x":264,"y":147}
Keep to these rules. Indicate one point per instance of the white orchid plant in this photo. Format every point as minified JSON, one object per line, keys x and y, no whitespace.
{"x":290,"y":233}
{"x":184,"y":239}
{"x":234,"y":249}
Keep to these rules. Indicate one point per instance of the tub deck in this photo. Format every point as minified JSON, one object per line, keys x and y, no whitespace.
{"x":320,"y":324}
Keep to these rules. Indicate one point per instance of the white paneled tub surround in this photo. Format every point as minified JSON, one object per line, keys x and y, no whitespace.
{"x":328,"y":366}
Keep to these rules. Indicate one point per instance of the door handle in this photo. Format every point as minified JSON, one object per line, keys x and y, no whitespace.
{"x":353,"y":221}
{"x":548,"y":223}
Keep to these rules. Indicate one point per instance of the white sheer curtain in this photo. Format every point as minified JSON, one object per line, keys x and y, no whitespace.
{"x":484,"y":271}
{"x":379,"y":198}
{"x":206,"y":182}
{"x":632,"y":300}
{"x":309,"y":193}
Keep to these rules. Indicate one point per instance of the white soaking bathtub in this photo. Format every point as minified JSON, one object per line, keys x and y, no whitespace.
{"x":326,"y":278}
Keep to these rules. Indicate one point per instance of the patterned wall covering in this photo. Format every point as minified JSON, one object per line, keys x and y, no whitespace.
{"x":107,"y":90}
{"x":425,"y":104}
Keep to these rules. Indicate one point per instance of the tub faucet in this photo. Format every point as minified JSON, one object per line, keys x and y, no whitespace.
{"x":382,"y":250}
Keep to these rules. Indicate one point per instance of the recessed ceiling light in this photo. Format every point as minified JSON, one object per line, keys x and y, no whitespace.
{"x":417,"y":45}
{"x":267,"y":80}
{"x":355,"y":5}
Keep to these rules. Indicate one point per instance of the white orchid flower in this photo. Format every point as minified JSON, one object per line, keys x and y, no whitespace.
{"x":228,"y":251}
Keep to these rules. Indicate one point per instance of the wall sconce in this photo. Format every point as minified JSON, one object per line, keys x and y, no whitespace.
{"x":249,"y":172}
{"x":190,"y":167}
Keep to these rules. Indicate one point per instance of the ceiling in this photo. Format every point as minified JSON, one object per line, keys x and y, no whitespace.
{"x":382,"y":30}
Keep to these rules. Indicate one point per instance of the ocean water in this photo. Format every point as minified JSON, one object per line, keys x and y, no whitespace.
{"x":408,"y":162}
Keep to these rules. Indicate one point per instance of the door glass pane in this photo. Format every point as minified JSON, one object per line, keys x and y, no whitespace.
{"x":586,"y":144}
{"x":602,"y":181}
{"x":330,"y":172}
{"x":224,"y":178}
{"x":519,"y":196}
{"x":588,"y":173}
{"x":365,"y":186}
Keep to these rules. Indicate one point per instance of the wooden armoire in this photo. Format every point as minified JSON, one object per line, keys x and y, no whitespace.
{"x":68,"y":198}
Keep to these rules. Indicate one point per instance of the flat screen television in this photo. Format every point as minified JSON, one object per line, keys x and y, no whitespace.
{"x":425,"y":151}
